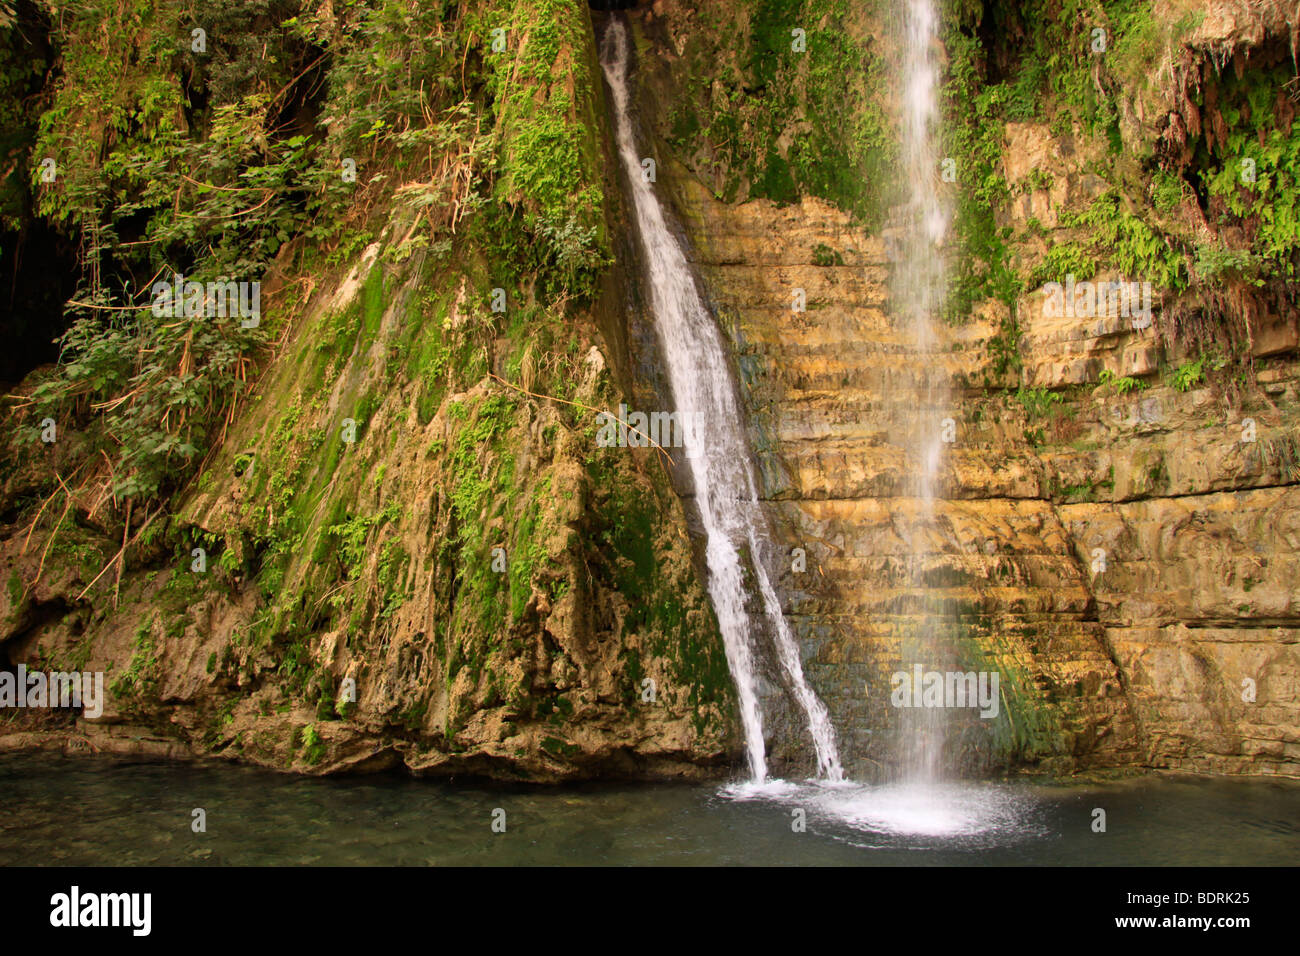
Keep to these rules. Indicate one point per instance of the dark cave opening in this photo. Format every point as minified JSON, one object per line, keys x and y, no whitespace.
{"x":1000,"y":30}
{"x":38,"y":264}
{"x":38,"y":267}
{"x":300,"y":108}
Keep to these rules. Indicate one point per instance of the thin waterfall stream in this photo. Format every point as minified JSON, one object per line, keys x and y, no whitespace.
{"x":919,"y":284}
{"x":717,"y":453}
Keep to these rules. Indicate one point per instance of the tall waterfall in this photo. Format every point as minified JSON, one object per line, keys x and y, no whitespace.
{"x":717,"y":454}
{"x":919,"y":293}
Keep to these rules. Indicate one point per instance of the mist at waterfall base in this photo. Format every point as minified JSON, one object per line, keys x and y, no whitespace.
{"x":694,"y":357}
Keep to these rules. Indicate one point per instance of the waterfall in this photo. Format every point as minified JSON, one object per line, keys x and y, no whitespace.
{"x":919,"y":291}
{"x":717,"y":453}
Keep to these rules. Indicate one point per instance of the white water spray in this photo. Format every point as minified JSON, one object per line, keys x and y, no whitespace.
{"x":717,"y":453}
{"x":919,"y":290}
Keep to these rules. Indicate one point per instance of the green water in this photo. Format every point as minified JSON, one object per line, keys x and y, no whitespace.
{"x":106,"y":811}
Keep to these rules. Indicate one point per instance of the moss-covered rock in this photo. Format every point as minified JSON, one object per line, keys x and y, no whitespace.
{"x":390,"y":536}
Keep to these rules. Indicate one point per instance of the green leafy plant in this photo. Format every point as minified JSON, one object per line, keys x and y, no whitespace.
{"x":1038,"y":402}
{"x":1217,"y":263}
{"x":313,"y":748}
{"x":1123,"y":384}
{"x":1188,"y":375}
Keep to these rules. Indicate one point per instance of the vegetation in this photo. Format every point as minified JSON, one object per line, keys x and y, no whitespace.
{"x":1038,"y":402}
{"x":427,"y":434}
{"x":208,"y":162}
{"x":1077,"y":67}
{"x":826,"y":99}
{"x":1122,"y":384}
{"x":457,"y":186}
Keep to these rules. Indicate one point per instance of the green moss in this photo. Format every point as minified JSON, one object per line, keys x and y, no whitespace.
{"x":525,"y":551}
{"x":313,"y":748}
{"x":769,"y":52}
{"x":484,"y":489}
{"x":391,"y":578}
{"x":371,"y":302}
{"x":429,"y":356}
{"x":413,"y":717}
{"x":1030,"y":724}
{"x":827,"y":102}
{"x":777,"y":183}
{"x":141,"y":673}
{"x":546,"y":93}
{"x":17,"y":595}
{"x":559,"y":748}
{"x":470,"y":482}
{"x":690,"y":645}
{"x":824,"y":255}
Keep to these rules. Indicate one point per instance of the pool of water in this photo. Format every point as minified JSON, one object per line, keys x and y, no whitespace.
{"x":109,"y":811}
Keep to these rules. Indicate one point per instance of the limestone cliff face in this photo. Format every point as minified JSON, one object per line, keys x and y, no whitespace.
{"x":1117,"y":538}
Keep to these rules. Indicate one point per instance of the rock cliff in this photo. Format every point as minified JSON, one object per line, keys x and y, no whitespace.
{"x":1117,"y":524}
{"x":377,"y":529}
{"x":401,"y":543}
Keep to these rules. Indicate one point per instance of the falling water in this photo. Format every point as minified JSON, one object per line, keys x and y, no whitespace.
{"x":717,"y":453}
{"x":919,"y":290}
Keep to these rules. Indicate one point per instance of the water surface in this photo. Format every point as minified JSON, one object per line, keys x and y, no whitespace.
{"x":98,"y":810}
